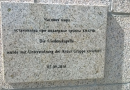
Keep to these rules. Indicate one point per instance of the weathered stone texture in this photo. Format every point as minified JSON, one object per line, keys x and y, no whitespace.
{"x":89,"y":65}
{"x":83,"y":2}
{"x":92,"y":87}
{"x":19,"y":0}
{"x":75,"y":2}
{"x":117,"y":51}
{"x":117,"y":57}
{"x":121,"y":6}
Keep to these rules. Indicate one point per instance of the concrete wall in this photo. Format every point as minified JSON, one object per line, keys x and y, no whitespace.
{"x":117,"y":61}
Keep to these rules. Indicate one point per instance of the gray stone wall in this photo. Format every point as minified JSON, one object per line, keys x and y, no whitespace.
{"x":117,"y":61}
{"x":19,"y":0}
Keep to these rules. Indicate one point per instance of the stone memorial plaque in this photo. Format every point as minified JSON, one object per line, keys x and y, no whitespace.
{"x":46,"y":42}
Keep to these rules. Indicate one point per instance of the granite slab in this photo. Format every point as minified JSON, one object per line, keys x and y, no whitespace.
{"x":121,"y":6}
{"x":50,"y":42}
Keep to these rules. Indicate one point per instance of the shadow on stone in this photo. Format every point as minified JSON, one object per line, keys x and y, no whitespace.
{"x":113,"y":67}
{"x":114,"y":54}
